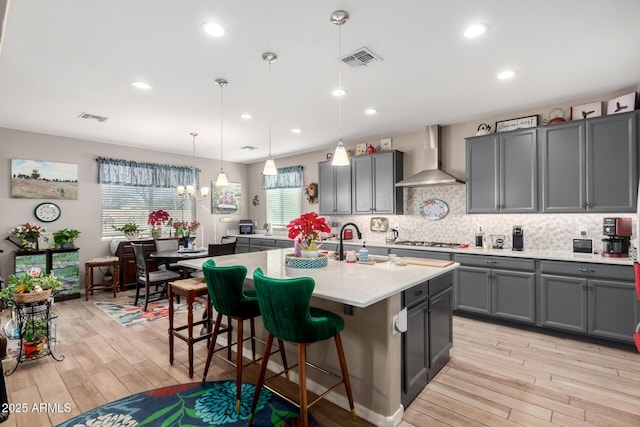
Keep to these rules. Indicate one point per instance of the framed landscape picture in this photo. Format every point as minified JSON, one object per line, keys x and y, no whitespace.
{"x":38,"y":179}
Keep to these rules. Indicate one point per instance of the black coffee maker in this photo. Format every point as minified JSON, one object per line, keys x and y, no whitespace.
{"x":618,"y":233}
{"x":517,"y":238}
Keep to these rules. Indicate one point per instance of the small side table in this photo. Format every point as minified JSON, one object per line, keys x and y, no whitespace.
{"x":105,"y":261}
{"x":190,"y":289}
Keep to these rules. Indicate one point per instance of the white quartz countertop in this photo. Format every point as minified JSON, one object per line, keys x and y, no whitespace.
{"x":359,"y":285}
{"x":507,"y":252}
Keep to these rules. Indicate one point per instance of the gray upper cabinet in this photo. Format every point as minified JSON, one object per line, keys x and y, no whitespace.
{"x":334,"y":189}
{"x":590,"y":165}
{"x":502,"y":172}
{"x":373,"y":179}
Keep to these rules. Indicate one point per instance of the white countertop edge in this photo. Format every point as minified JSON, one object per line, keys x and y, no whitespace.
{"x":542,"y":254}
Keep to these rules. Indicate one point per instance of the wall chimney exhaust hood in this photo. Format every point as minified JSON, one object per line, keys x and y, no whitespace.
{"x":430,"y":175}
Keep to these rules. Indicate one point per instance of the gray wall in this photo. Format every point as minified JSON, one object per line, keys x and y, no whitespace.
{"x":84,"y":213}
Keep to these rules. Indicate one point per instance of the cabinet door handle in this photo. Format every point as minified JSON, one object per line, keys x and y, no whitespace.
{"x":584,"y":204}
{"x":590,"y":204}
{"x":491,"y":262}
{"x":586,"y":270}
{"x":583,"y":286}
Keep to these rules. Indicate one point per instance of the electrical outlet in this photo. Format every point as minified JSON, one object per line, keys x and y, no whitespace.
{"x":584,"y":231}
{"x":396,"y":226}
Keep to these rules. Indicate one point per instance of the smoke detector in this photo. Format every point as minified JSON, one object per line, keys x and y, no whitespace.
{"x":360,"y":57}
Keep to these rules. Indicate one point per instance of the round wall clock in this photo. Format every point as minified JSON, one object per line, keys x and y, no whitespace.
{"x":47,"y":212}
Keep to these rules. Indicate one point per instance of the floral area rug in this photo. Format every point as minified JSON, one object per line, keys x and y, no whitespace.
{"x":192,"y":405}
{"x":127,"y":314}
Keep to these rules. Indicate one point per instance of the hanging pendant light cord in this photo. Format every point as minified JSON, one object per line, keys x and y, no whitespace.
{"x":270,"y":112}
{"x":193,"y":164}
{"x":340,"y":85}
{"x":221,"y":123}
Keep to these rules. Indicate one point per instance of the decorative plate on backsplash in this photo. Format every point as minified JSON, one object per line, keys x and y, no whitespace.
{"x":433,"y":209}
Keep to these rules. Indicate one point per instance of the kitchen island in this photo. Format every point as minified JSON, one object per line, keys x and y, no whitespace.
{"x":367,"y":296}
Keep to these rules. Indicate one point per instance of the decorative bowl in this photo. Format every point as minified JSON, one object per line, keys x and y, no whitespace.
{"x":298,"y":262}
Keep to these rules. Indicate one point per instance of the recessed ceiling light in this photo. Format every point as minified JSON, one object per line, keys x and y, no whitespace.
{"x":370,"y":111}
{"x":296,"y":130}
{"x":475,"y":31}
{"x":141,"y":85}
{"x":213,"y":29}
{"x":339,"y":92}
{"x":506,"y":74}
{"x":246,"y":116}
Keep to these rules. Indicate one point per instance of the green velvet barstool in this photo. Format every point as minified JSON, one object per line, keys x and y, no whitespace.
{"x":229,"y":298}
{"x":286,"y":314}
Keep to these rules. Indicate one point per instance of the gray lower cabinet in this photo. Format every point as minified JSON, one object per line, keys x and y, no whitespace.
{"x":373,"y":250}
{"x":590,"y":165}
{"x":595,"y":299}
{"x":334,"y":189}
{"x":496,"y":286}
{"x":502,"y":172}
{"x":414,"y":253}
{"x":242,"y":245}
{"x":258,"y":244}
{"x":429,"y":335}
{"x":373,"y":180}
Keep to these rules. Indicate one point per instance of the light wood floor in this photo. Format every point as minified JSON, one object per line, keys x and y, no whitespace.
{"x":497,"y":376}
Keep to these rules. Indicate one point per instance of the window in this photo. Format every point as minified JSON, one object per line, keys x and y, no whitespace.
{"x":284,"y":195}
{"x":283,"y":205}
{"x":126,"y":203}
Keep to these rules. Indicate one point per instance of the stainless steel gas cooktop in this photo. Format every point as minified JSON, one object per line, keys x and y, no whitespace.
{"x":428,"y":244}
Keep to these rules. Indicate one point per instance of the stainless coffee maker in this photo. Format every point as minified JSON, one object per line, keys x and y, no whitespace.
{"x":617,"y":233}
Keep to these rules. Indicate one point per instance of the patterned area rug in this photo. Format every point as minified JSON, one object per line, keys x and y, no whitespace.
{"x":192,"y":405}
{"x":124,"y":312}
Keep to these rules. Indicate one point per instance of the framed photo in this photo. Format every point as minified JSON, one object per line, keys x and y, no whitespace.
{"x":361,"y":149}
{"x":37,"y":179}
{"x":586,"y":111}
{"x":386,"y":144}
{"x":519,"y":123}
{"x":622,"y":104}
{"x":46,"y":241}
{"x":226,"y":200}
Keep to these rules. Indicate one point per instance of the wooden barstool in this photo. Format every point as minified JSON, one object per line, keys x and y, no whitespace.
{"x":190,"y":289}
{"x":105,"y":261}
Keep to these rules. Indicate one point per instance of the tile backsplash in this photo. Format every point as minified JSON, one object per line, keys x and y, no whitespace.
{"x":541,"y":231}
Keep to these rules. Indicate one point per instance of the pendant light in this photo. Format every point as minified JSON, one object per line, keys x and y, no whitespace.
{"x":222,"y":177}
{"x":340,"y":158}
{"x":191,"y":189}
{"x":270,"y":165}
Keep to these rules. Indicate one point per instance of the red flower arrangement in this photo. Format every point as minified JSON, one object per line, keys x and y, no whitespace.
{"x":306,"y":229}
{"x":184,"y":228}
{"x":158,"y":218}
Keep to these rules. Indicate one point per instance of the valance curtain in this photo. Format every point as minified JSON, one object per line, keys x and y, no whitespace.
{"x":125,"y":172}
{"x":289,"y":177}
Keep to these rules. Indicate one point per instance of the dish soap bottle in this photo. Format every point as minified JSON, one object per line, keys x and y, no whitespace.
{"x":364,"y":253}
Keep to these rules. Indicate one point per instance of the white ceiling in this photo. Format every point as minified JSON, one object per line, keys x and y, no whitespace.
{"x":65,"y":57}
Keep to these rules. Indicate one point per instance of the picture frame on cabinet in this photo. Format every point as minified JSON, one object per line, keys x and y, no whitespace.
{"x":622,"y":104}
{"x":519,"y":123}
{"x":361,"y":149}
{"x":386,"y":144}
{"x":586,"y":111}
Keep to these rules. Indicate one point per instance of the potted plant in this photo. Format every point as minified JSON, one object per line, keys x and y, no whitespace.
{"x":30,"y":287}
{"x":64,"y":238}
{"x":25,"y":236}
{"x":130,"y":230}
{"x":305,"y":230}
{"x":33,"y":333}
{"x":156,"y":220}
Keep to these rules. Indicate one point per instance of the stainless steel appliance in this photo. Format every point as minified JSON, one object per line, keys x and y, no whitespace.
{"x":428,"y":244}
{"x":617,"y":233}
{"x":517,"y":240}
{"x":246,"y":226}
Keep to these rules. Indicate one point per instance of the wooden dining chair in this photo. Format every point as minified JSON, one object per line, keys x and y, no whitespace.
{"x":147,"y":279}
{"x":168,"y":245}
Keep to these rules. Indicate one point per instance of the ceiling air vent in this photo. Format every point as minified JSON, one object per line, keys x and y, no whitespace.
{"x":360,"y":57}
{"x":92,"y":117}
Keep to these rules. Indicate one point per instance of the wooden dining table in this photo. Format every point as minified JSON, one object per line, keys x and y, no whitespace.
{"x":174,"y":256}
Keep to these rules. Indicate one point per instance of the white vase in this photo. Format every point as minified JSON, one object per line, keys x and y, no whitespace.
{"x":310,"y":253}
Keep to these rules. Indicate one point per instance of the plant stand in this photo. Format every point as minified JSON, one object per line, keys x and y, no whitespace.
{"x":34,"y":312}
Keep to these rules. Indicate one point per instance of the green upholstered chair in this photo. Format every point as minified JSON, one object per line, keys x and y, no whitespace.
{"x":229,"y":298}
{"x":286,"y":314}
